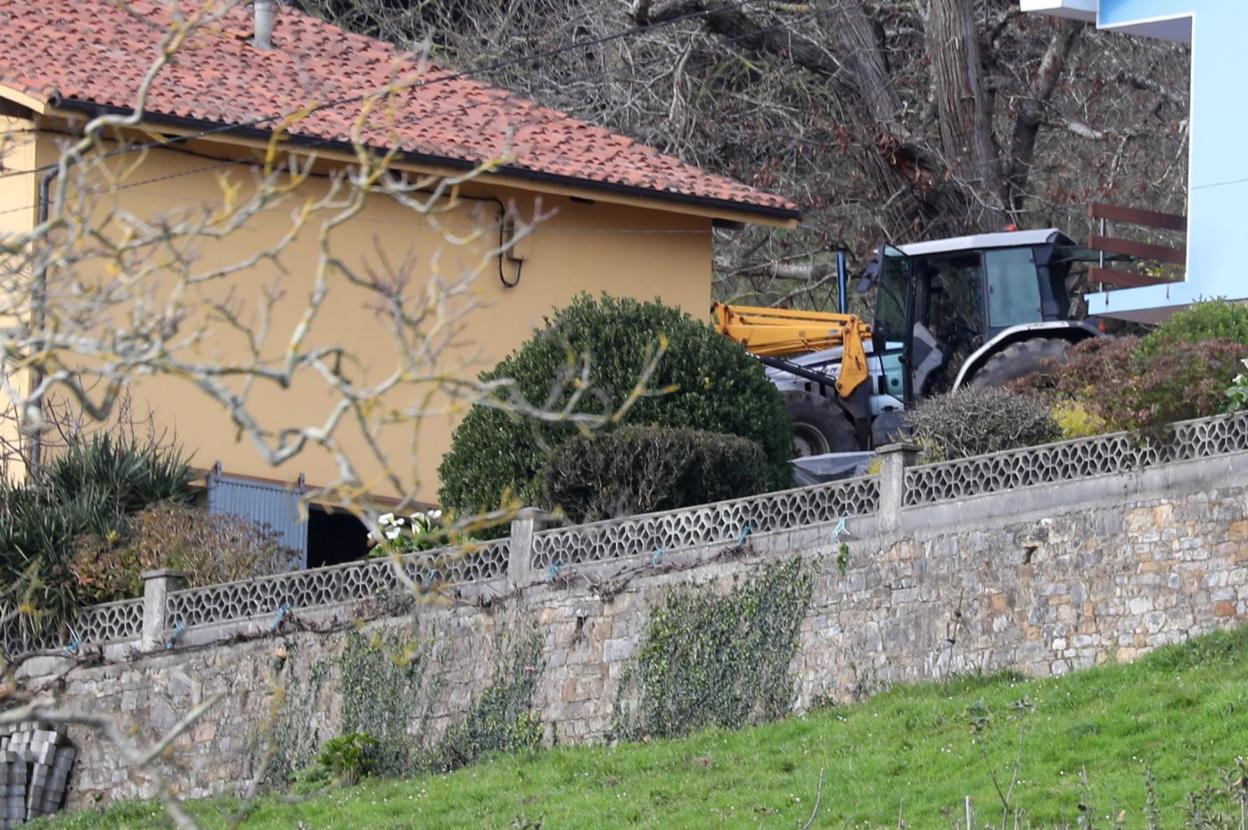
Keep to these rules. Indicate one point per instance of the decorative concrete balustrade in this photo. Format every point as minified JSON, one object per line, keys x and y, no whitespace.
{"x":533,"y":554}
{"x":1100,"y":455}
{"x":725,"y":522}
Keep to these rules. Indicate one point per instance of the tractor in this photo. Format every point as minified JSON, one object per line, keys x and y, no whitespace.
{"x":967,"y":311}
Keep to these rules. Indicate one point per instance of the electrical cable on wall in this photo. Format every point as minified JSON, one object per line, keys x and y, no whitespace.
{"x":506,"y":229}
{"x":504,"y":222}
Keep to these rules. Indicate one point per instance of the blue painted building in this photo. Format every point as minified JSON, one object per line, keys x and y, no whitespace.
{"x":1217,"y":206}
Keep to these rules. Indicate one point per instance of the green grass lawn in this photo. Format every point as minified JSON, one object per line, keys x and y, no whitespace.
{"x":913,"y":751}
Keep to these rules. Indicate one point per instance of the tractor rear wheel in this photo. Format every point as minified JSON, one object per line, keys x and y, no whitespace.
{"x":1020,"y":359}
{"x":819,"y":425}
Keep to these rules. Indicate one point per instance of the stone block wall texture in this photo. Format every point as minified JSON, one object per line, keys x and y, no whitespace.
{"x":1043,"y":580}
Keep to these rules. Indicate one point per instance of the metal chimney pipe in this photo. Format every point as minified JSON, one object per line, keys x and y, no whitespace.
{"x":264,"y":24}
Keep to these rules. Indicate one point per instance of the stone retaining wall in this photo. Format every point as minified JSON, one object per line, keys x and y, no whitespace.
{"x":1043,"y":580}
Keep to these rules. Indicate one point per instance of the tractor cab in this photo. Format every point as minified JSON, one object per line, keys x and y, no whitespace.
{"x":974,"y":310}
{"x":962,"y":310}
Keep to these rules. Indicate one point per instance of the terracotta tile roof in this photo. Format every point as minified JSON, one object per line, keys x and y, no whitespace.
{"x":91,"y":51}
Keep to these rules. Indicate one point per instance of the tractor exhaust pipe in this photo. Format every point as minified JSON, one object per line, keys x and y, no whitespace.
{"x":842,"y":281}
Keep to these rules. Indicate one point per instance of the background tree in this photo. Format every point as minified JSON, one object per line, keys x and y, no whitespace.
{"x":904,"y":119}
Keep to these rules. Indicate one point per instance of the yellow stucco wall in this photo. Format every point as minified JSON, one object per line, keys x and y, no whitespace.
{"x":18,"y":211}
{"x":580,"y":247}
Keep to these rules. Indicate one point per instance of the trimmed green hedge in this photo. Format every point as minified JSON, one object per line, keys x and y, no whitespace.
{"x":643,"y":469}
{"x":1207,"y":320}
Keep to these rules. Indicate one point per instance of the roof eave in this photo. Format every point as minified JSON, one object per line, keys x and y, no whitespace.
{"x":23,"y":99}
{"x":719,"y":209}
{"x":1173,"y":27}
{"x":723,"y":208}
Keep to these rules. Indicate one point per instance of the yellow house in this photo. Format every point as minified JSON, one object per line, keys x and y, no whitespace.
{"x":519,"y":209}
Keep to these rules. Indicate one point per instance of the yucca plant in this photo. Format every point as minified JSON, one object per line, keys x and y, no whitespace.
{"x":126,"y":476}
{"x":87,"y":490}
{"x":38,"y":588}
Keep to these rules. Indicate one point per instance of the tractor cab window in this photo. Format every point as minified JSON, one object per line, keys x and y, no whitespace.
{"x":1013,"y":289}
{"x":890,"y":326}
{"x":949,"y":318}
{"x":890,"y":307}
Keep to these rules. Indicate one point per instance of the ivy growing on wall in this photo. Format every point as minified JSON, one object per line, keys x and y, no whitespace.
{"x":384,"y":696}
{"x":716,"y":660}
{"x":389,"y":687}
{"x":502,"y":719}
{"x":290,"y":737}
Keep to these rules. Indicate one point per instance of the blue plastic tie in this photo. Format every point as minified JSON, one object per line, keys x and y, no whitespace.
{"x":277,"y":618}
{"x":552,"y":571}
{"x":840,"y":530}
{"x":658,"y":554}
{"x":177,"y":632}
{"x":72,"y":648}
{"x":745,"y":531}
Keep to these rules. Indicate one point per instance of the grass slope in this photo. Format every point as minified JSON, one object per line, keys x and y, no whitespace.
{"x":912,"y":751}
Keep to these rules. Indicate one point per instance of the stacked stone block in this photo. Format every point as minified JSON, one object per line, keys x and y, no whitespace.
{"x":35,"y":762}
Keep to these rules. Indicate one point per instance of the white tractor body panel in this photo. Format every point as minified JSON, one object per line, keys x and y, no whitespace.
{"x":976,"y":358}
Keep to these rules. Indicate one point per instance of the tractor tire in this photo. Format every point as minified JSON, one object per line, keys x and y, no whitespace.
{"x":819,"y":425}
{"x":1020,"y":359}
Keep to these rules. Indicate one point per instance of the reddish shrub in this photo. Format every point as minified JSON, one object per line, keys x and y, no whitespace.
{"x":1095,"y":365}
{"x":1177,"y":381}
{"x":1140,"y":390}
{"x":209,"y":548}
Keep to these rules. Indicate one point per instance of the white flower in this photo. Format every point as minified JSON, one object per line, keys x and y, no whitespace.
{"x":393,"y":533}
{"x":435,"y":514}
{"x":385,"y":519}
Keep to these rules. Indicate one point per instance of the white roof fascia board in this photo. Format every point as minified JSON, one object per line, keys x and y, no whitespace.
{"x":1177,"y":28}
{"x":1074,"y":9}
{"x":1004,"y":239}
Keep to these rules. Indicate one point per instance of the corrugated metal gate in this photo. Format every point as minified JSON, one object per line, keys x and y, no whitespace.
{"x":275,"y":505}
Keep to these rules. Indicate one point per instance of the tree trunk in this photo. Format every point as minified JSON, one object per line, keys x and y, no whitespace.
{"x":967,"y":183}
{"x":964,"y":103}
{"x":1031,"y":112}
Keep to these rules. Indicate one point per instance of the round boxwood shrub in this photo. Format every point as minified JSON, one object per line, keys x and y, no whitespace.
{"x":643,"y":469}
{"x":703,"y":381}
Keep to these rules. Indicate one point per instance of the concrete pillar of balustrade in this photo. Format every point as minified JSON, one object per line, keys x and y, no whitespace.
{"x":894,"y":459}
{"x":520,"y":547}
{"x":157,"y":586}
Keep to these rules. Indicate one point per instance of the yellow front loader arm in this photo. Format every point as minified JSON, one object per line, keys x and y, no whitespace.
{"x":779,"y":332}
